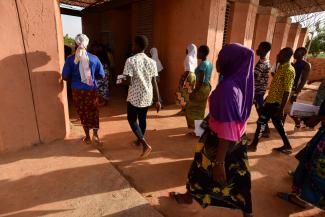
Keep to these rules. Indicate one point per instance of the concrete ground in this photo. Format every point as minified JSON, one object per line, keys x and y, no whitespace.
{"x":68,"y":178}
{"x":166,"y":169}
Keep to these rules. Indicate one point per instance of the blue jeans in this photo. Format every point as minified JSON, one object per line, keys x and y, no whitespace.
{"x":137,"y":118}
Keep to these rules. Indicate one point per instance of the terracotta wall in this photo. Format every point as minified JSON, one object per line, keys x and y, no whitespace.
{"x":171,"y":34}
{"x":317,"y":68}
{"x":34,"y":107}
{"x":178,"y":23}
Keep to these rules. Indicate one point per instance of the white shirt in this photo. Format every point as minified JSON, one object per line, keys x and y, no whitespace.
{"x":141,"y":69}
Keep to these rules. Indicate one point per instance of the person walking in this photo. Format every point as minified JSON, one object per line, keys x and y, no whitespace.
{"x":141,"y":72}
{"x":261,"y":75}
{"x":195,"y":110}
{"x":187,"y":81}
{"x":81,"y":70}
{"x":302,"y":69}
{"x":219,"y":175}
{"x":276,"y":100}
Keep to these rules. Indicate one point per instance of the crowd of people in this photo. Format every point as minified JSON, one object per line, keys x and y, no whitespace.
{"x":219,"y":175}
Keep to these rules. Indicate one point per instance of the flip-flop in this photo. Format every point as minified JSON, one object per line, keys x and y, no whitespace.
{"x":287,"y":197}
{"x":175,"y":196}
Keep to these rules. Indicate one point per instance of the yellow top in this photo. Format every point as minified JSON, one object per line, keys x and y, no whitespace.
{"x":282,"y":82}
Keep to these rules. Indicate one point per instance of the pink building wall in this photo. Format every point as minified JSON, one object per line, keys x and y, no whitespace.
{"x":34,"y":102}
{"x":243,"y":22}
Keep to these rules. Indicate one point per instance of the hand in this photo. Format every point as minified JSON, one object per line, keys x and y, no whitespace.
{"x":293,"y":98}
{"x":158,"y":106}
{"x":312,"y":121}
{"x":219,"y":174}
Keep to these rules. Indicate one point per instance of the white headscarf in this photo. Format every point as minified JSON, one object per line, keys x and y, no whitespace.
{"x":82,"y":57}
{"x":190,"y":62}
{"x":154,"y":56}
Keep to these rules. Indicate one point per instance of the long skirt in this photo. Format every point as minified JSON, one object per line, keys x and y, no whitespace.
{"x":195,"y":110}
{"x":86,"y":103}
{"x":185,"y":87}
{"x":309,"y":178}
{"x":236,"y":193}
{"x":103,"y":86}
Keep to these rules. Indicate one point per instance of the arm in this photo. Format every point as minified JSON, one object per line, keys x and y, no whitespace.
{"x":66,"y":72}
{"x":156,"y":89}
{"x":304,"y":77}
{"x":100,"y":72}
{"x":128,"y":72}
{"x":219,"y":174}
{"x":199,"y":81}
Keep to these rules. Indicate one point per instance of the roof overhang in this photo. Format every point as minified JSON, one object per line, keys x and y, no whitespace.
{"x":286,"y":7}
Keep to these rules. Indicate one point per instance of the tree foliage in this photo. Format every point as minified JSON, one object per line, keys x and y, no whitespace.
{"x":68,"y":40}
{"x":318,"y":41}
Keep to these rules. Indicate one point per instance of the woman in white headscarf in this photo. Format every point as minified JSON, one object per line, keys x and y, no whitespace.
{"x":82,"y":70}
{"x":154,"y":56}
{"x":187,"y":81}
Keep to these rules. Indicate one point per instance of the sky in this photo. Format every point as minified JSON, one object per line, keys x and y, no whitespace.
{"x":71,"y":25}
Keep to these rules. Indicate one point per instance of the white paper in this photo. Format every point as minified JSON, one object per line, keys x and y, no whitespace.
{"x":303,"y":110}
{"x":198,"y":129}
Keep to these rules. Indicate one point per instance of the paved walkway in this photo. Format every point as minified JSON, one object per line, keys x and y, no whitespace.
{"x":166,"y":169}
{"x":66,"y":179}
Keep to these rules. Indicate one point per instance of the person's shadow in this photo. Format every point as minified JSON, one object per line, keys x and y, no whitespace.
{"x":32,"y":100}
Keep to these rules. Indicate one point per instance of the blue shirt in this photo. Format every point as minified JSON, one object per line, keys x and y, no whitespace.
{"x":71,"y":72}
{"x":206,"y":67}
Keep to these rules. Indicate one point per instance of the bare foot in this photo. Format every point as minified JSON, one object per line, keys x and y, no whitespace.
{"x":146,"y":149}
{"x":87,"y":140}
{"x":97,"y":142}
{"x":181,"y":198}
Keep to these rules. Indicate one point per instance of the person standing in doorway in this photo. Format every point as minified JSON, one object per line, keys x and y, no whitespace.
{"x":187,"y":81}
{"x":141,"y":72}
{"x":82,"y":70}
{"x":199,"y":97}
{"x":279,"y":93}
{"x":302,"y":69}
{"x":261,"y":75}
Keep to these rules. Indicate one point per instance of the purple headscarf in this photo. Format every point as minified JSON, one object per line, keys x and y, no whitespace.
{"x":232,"y":99}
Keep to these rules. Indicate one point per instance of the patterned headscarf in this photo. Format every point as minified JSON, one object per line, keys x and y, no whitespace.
{"x":82,"y":58}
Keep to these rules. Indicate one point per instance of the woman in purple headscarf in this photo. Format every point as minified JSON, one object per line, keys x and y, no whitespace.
{"x":219,"y":174}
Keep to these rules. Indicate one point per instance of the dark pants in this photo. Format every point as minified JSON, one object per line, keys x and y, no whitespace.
{"x":137,"y":118}
{"x":270,"y":111}
{"x":259,"y":105}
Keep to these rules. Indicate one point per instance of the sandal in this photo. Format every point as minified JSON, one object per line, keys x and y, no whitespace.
{"x":284,"y":150}
{"x":288,"y":197}
{"x":179,"y":200}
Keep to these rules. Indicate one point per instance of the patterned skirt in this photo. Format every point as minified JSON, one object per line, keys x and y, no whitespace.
{"x":185,"y":87}
{"x":236,"y":194}
{"x":86,"y":104}
{"x":103,"y":86}
{"x":309,"y":178}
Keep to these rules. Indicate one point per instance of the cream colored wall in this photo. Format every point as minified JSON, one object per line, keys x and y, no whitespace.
{"x":31,"y":60}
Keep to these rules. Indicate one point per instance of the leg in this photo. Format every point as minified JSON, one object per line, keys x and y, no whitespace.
{"x":279,"y":127}
{"x":142,"y":115}
{"x":87,"y":139}
{"x":132,"y":119}
{"x":261,"y":126}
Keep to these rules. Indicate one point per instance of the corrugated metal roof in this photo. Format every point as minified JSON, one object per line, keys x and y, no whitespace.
{"x":83,"y":3}
{"x":295,"y":7}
